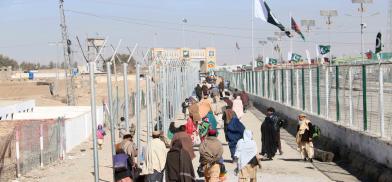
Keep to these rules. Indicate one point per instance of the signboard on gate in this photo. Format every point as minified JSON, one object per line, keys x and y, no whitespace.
{"x":210,"y":65}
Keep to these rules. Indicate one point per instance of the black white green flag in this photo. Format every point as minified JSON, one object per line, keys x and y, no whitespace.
{"x":324,"y":49}
{"x":263,"y":12}
{"x":378,"y":43}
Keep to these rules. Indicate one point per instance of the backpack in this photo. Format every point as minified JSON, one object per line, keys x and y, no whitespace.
{"x":316,"y":132}
{"x":120,"y":162}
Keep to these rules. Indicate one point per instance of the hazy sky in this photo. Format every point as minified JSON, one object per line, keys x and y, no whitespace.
{"x":28,"y":25}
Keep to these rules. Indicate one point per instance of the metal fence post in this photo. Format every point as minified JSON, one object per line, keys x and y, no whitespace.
{"x":310,"y":90}
{"x":94,"y":119}
{"x":337,"y":94}
{"x":138,"y":105}
{"x":318,"y":89}
{"x":274,"y":83}
{"x":17,"y":137}
{"x":326,"y":93}
{"x":350,"y":84}
{"x":292,"y":86}
{"x":126,"y":97}
{"x":381,"y":98}
{"x":111,"y":115}
{"x":263,"y":83}
{"x":41,"y":144}
{"x":149,"y":110}
{"x":282,"y":84}
{"x":297,"y":87}
{"x":364,"y":97}
{"x":287,"y":86}
{"x":268,"y":84}
{"x":303,"y":88}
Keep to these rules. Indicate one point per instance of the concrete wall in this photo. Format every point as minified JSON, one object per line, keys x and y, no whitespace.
{"x":8,"y":109}
{"x":78,"y":129}
{"x":77,"y":124}
{"x":37,"y":75}
{"x":370,"y":146}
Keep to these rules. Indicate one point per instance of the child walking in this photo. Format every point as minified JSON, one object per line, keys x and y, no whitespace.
{"x":100,"y":136}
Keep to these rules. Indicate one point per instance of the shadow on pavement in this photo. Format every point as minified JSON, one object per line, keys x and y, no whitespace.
{"x":292,"y":160}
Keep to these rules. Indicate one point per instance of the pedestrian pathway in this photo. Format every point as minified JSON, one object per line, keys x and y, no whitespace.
{"x":287,"y":167}
{"x":78,"y":165}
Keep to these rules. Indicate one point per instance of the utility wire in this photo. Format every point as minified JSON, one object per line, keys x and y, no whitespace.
{"x":127,"y":21}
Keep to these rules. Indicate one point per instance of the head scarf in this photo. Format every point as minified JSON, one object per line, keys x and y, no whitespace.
{"x":246,"y":149}
{"x":235,"y":131}
{"x":238,"y":108}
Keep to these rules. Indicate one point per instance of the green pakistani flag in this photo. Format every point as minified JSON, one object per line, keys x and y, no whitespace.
{"x":259,"y":63}
{"x":295,"y":57}
{"x":324,"y":49}
{"x":273,"y":61}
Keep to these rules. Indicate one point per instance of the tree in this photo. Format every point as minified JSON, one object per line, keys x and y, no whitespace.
{"x":6,"y":61}
{"x":27,"y":66}
{"x":51,"y":65}
{"x":75,"y":65}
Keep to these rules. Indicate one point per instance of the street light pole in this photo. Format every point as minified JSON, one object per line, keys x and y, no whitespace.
{"x":329,"y":14}
{"x":184,"y":21}
{"x":362,"y":10}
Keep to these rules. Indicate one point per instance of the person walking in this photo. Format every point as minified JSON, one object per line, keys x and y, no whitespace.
{"x":205,"y":106}
{"x":247,"y":159}
{"x":128,"y":149}
{"x":123,"y":130}
{"x":184,"y":106}
{"x":51,"y":89}
{"x":238,"y":108}
{"x":172,"y":130}
{"x":194,"y":110}
{"x":179,"y":167}
{"x":211,"y":151}
{"x":268,"y":135}
{"x":227,"y":116}
{"x":221,"y":87}
{"x":235,"y":131}
{"x":185,"y":140}
{"x":199,"y":92}
{"x":155,"y":158}
{"x":304,"y":138}
{"x":100,"y":136}
{"x":245,"y":100}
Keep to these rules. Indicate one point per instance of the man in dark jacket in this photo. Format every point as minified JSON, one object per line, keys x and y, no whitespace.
{"x":277,"y":125}
{"x":269,"y":134}
{"x":179,"y":166}
{"x":198,"y":91}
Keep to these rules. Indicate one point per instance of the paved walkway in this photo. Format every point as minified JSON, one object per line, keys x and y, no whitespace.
{"x":78,"y":165}
{"x":287,"y":167}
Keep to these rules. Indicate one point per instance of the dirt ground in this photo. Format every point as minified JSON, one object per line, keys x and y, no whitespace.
{"x":27,"y":89}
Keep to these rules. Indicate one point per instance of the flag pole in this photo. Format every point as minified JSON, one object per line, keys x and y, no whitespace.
{"x":253,"y":50}
{"x":291,"y":38}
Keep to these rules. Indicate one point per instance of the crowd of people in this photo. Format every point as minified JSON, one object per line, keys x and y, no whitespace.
{"x":210,"y":108}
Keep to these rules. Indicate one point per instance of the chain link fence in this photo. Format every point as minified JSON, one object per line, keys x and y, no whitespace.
{"x":355,"y":96}
{"x":29,"y":144}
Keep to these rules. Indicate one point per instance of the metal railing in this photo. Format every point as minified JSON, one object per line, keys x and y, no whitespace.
{"x":357,"y":96}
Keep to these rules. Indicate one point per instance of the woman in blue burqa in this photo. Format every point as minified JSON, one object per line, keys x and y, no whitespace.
{"x":235,"y":131}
